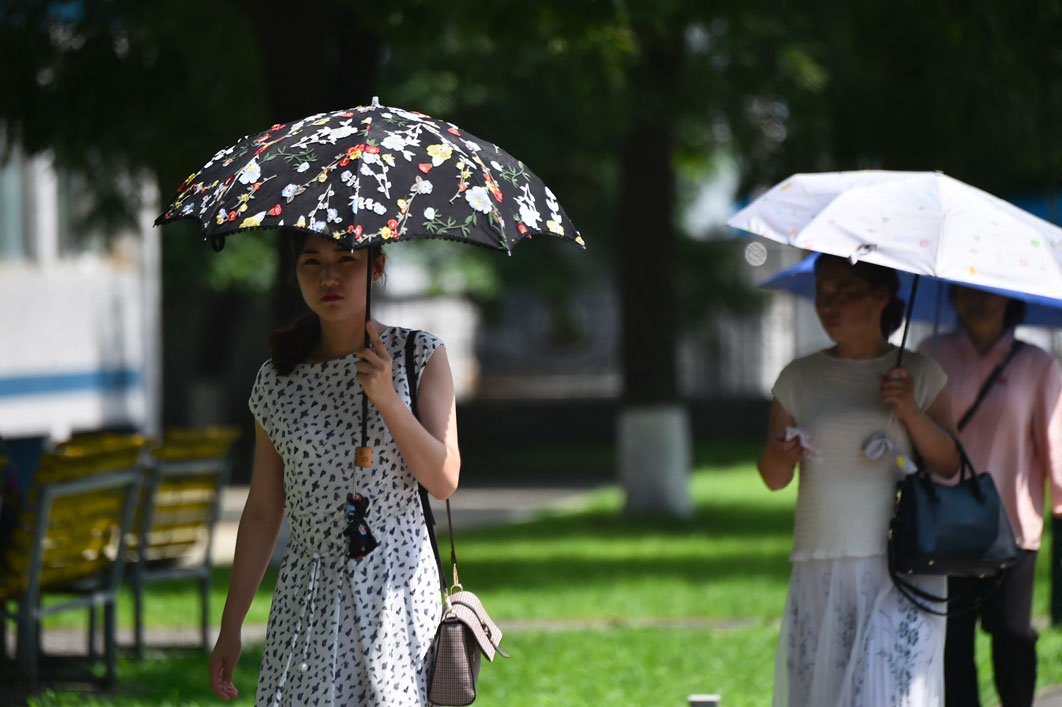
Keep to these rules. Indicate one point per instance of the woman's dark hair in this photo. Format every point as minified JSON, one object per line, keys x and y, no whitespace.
{"x":290,"y":345}
{"x":876,"y":276}
{"x":1012,"y":317}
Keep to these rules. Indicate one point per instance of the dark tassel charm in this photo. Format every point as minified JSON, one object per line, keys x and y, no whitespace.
{"x":360,"y":541}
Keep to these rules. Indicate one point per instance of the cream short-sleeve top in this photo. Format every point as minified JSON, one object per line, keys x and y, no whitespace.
{"x":844,"y":499}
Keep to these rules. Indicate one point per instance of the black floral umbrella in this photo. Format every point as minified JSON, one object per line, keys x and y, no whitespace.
{"x":366,"y":176}
{"x":371,"y":175}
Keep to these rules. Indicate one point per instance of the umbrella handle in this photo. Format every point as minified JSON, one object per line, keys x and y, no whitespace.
{"x":907,"y":320}
{"x":363,"y":454}
{"x":368,"y":294}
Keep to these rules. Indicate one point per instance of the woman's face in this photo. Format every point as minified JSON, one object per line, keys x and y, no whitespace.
{"x":332,"y":278}
{"x":979,"y":309}
{"x":848,"y":307}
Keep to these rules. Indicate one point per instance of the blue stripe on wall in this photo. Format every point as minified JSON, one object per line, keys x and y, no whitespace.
{"x":105,"y":381}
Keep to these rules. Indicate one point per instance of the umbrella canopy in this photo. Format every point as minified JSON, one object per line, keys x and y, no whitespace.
{"x":371,"y":175}
{"x":924,"y":223}
{"x":932,"y":304}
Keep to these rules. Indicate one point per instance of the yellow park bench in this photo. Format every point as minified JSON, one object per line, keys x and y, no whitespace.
{"x":174,"y":531}
{"x":69,"y":538}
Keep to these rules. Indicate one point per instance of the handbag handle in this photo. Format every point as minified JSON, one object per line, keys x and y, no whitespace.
{"x":429,"y":517}
{"x":966,"y":469}
{"x":959,"y":605}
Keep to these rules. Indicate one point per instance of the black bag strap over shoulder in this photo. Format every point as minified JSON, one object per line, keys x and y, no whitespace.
{"x":989,"y":382}
{"x":429,"y":516}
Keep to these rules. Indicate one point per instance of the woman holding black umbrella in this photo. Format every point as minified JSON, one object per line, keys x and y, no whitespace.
{"x":357,"y":599}
{"x":353,"y":178}
{"x":852,"y":420}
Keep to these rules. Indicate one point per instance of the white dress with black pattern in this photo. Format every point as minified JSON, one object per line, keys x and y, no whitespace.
{"x":346,"y":632}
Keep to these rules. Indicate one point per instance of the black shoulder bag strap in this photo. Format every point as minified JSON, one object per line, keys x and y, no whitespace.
{"x":989,"y":382}
{"x":425,"y":504}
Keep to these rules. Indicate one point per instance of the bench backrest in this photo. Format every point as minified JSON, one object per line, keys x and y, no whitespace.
{"x":182,"y":493}
{"x":72,"y":526}
{"x":186,"y":502}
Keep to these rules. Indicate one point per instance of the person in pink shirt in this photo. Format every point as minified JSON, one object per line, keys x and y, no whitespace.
{"x":1015,"y":434}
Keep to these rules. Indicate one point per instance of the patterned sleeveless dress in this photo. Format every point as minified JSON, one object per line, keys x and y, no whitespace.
{"x":346,"y":632}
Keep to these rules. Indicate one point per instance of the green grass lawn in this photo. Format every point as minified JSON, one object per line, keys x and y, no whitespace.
{"x":608,"y":609}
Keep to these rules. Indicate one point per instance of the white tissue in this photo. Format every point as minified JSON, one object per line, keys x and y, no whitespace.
{"x":805,"y":441}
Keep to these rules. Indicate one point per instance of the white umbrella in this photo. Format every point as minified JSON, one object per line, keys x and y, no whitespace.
{"x":925,"y":223}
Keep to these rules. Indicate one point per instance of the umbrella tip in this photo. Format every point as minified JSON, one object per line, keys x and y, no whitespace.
{"x":375,"y":101}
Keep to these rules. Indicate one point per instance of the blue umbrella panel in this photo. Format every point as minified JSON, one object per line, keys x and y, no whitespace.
{"x":931,"y":306}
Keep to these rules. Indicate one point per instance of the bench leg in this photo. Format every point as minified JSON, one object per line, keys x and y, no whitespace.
{"x":110,"y":641}
{"x":138,"y":615}
{"x":92,"y":632}
{"x":204,"y":590}
{"x":27,"y":645}
{"x":4,"y":619}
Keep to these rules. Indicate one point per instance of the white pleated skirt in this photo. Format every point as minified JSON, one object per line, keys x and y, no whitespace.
{"x":850,"y":639}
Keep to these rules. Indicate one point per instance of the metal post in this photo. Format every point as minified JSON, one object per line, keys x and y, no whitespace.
{"x":1056,"y":571}
{"x":704,"y":700}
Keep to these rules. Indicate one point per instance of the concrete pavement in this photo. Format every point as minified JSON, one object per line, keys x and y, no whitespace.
{"x":1049,"y":697}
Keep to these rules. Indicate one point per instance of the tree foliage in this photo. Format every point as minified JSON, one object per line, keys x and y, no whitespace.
{"x":603,"y":100}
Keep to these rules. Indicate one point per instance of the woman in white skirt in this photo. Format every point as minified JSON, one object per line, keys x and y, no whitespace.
{"x":852,"y":420}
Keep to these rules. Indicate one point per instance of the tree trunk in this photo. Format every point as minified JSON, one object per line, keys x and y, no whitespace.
{"x":333,"y":66}
{"x":653,"y":428}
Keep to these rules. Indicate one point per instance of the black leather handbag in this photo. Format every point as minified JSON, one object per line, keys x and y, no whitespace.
{"x":959,"y":531}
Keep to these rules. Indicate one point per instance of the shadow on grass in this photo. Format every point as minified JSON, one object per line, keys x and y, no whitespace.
{"x":551,"y":575}
{"x":170,"y":677}
{"x":712,"y":521}
{"x":553,"y":465}
{"x":736,"y":542}
{"x":576,"y":464}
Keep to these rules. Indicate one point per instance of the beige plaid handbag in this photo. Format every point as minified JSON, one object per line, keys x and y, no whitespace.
{"x":465,"y":633}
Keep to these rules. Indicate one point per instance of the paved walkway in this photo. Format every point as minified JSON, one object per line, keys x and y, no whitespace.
{"x":473,"y":508}
{"x":1049,"y":697}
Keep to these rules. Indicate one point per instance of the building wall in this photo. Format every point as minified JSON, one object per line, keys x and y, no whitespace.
{"x":79,"y":329}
